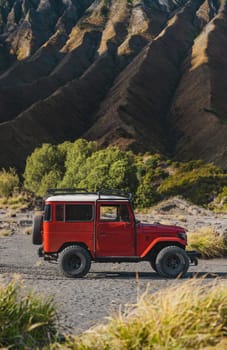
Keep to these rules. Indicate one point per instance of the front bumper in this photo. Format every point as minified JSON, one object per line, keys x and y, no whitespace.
{"x":193,"y":257}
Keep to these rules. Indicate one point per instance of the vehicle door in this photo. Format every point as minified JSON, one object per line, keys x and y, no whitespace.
{"x":114,"y":230}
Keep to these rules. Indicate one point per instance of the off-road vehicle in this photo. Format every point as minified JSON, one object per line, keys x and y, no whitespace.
{"x":78,"y":227}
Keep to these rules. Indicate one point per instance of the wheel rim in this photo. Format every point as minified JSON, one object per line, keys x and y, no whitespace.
{"x":74,"y":263}
{"x":173,"y":264}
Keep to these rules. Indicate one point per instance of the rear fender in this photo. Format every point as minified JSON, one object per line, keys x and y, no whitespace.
{"x":171,"y":240}
{"x":81,"y":244}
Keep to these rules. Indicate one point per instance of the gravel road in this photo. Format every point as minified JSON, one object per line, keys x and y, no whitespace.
{"x":82,"y":303}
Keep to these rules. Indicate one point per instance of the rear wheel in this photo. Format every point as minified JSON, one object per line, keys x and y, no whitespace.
{"x":172,"y":262}
{"x":37,"y":230}
{"x":74,"y":262}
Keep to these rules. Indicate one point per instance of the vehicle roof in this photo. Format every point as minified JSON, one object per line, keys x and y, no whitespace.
{"x":84,"y":198}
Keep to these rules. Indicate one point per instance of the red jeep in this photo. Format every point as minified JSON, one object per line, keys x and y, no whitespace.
{"x":79,"y":227}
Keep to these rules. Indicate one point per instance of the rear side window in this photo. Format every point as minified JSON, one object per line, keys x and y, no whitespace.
{"x":47,"y":212}
{"x":78,"y":212}
{"x":60,"y":212}
{"x":74,"y":212}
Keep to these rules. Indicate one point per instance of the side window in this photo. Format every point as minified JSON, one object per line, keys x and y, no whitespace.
{"x":78,"y":212}
{"x":60,"y":212}
{"x":108,"y":213}
{"x":47,"y":212}
{"x":114,"y":213}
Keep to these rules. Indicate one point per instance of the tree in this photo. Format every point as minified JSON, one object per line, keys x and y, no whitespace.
{"x":109,"y":169}
{"x":77,"y":154}
{"x":45,"y":167}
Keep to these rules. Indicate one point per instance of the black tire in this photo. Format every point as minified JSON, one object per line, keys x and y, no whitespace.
{"x":37,"y":230}
{"x":74,"y":261}
{"x":172,"y":262}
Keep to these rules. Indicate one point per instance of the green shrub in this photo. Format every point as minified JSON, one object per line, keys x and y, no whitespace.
{"x":108,"y":169}
{"x":80,"y":165}
{"x":45,"y":167}
{"x":9,"y":182}
{"x":150,"y":173}
{"x":26,"y":321}
{"x":220,"y":202}
{"x":149,"y":176}
{"x":76,"y":156}
{"x":185,"y":316}
{"x":196,"y":181}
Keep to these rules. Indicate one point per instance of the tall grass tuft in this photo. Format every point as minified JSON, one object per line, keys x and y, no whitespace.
{"x":187,"y":316}
{"x":26,"y":321}
{"x":207,"y":242}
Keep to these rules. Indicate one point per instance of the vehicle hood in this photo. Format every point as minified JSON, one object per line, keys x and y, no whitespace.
{"x":158,"y":228}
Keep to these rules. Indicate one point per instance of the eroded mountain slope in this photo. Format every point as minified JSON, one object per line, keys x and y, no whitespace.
{"x":141,"y":74}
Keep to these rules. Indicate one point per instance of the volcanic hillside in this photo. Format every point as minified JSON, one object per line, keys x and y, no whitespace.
{"x":147,"y":75}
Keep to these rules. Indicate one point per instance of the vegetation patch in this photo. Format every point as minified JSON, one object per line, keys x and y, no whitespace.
{"x":82,"y":164}
{"x":189,"y":315}
{"x":220,"y":202}
{"x":186,"y":316}
{"x":26,"y":321}
{"x":5,"y":232}
{"x":151,"y":177}
{"x":208,"y":243}
{"x":16,"y":201}
{"x":9,"y":181}
{"x":195,"y":180}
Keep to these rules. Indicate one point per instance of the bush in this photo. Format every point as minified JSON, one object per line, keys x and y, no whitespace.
{"x":9,"y":182}
{"x":80,"y":165}
{"x":195,"y":181}
{"x":26,"y":321}
{"x":150,"y":173}
{"x":108,"y":169}
{"x":149,"y":176}
{"x":185,"y":316}
{"x":76,"y":156}
{"x":220,"y":202}
{"x":45,"y":168}
{"x":207,"y":242}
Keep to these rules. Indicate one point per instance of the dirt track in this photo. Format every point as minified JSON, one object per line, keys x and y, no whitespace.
{"x":84,"y":302}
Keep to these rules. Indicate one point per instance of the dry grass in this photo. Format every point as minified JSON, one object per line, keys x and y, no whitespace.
{"x":15,"y":202}
{"x":207,"y":242}
{"x":187,"y":316}
{"x":28,"y":231}
{"x":5,"y":232}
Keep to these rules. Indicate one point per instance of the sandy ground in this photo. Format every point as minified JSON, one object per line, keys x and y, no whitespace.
{"x":82,"y":303}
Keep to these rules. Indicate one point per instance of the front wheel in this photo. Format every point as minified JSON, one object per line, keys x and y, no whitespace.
{"x":74,"y":262}
{"x":172,"y":262}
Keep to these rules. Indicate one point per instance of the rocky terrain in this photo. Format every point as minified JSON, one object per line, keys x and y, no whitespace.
{"x":82,"y":303}
{"x":142,"y":74}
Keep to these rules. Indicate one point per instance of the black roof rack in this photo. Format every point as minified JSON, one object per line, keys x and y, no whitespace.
{"x":114,"y":192}
{"x":100,"y":193}
{"x":55,"y":191}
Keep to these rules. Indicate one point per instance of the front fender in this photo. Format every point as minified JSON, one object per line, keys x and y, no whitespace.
{"x":162,"y":240}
